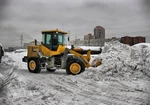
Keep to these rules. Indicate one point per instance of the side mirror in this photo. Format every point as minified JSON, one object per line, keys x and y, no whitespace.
{"x":72,"y":47}
{"x":35,"y":42}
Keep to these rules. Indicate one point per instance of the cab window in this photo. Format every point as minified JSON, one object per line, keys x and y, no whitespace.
{"x":43,"y":38}
{"x":48,"y":39}
{"x":61,"y":39}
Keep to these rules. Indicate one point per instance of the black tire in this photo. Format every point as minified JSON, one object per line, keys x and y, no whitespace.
{"x":50,"y":69}
{"x":80,"y":67}
{"x":70,"y":58}
{"x":34,"y":65}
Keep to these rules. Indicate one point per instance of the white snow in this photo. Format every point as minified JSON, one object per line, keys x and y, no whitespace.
{"x":17,"y":57}
{"x":125,"y":61}
{"x":122,"y":79}
{"x":143,"y":44}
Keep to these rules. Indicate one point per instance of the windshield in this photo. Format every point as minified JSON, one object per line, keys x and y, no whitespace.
{"x":61,"y":39}
{"x":53,"y":40}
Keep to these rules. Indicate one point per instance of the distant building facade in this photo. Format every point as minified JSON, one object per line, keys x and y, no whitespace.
{"x":88,"y":37}
{"x":99,"y":32}
{"x":98,"y":39}
{"x":132,"y":40}
{"x":76,"y":42}
{"x":112,"y":39}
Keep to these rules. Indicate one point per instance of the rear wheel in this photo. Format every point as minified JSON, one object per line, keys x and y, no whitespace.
{"x":34,"y":65}
{"x":75,"y":66}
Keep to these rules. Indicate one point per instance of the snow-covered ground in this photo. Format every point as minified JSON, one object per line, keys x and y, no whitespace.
{"x":122,"y":79}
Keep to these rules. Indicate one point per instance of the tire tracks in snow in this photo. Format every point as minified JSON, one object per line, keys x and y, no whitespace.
{"x":61,"y":89}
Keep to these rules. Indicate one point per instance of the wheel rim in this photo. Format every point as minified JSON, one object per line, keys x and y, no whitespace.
{"x":75,"y":68}
{"x":32,"y":65}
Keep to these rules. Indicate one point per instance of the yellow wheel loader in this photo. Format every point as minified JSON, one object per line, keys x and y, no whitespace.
{"x":53,"y":54}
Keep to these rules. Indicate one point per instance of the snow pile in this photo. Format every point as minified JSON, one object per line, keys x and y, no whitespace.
{"x":7,"y":67}
{"x":7,"y":62}
{"x":123,"y":61}
{"x":17,"y":56}
{"x":143,"y":44}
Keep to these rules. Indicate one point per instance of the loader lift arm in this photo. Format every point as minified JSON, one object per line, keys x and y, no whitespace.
{"x":83,"y":58}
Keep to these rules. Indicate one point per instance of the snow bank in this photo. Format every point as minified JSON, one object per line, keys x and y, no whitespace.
{"x":123,"y":61}
{"x":7,"y":67}
{"x":142,"y":44}
{"x":17,"y":56}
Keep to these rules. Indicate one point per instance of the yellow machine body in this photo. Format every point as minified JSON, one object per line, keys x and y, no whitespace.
{"x":32,"y":51}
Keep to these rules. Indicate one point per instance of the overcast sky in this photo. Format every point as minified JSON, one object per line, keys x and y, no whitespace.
{"x":30,"y":17}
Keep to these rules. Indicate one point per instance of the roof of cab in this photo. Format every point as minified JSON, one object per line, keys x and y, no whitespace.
{"x":49,"y":31}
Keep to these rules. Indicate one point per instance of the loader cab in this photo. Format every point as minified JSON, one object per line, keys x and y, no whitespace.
{"x":53,"y":38}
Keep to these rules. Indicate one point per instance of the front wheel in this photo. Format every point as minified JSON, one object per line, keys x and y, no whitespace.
{"x":75,"y":66}
{"x":34,"y":65}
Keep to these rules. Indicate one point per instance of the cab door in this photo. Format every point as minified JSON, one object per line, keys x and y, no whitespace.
{"x":47,"y":40}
